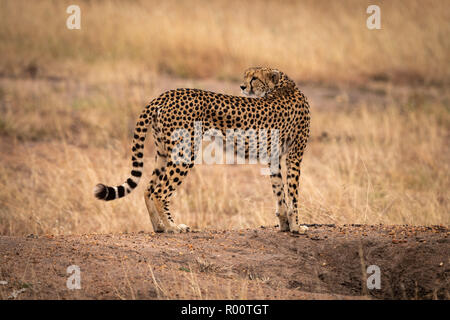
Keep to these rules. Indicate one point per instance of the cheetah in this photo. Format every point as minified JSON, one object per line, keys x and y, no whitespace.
{"x":271,"y":102}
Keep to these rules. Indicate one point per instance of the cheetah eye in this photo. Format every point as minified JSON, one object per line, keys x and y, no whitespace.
{"x":253,"y":78}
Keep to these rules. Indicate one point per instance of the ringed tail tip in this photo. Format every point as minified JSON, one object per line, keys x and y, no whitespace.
{"x":101,"y":191}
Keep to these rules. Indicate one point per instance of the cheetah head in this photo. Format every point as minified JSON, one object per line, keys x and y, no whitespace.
{"x":258,"y":81}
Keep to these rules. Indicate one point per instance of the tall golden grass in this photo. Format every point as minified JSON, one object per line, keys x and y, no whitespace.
{"x":366,"y":163}
{"x":69,"y":100}
{"x":313,"y":40}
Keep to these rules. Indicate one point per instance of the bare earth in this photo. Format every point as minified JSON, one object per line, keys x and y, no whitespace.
{"x":329,"y":262}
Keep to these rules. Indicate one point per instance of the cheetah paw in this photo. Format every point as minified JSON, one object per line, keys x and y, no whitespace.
{"x":302,"y":229}
{"x":181,"y":228}
{"x":299,"y":229}
{"x":184,"y":228}
{"x":160,"y":228}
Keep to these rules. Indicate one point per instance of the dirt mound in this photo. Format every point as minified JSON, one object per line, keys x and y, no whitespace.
{"x":329,"y":262}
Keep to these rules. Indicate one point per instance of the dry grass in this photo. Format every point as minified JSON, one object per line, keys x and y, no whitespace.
{"x":313,"y":40}
{"x":365,"y":163}
{"x":69,"y":99}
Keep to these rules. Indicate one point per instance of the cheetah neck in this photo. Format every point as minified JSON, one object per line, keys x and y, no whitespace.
{"x":285,"y":82}
{"x":284,"y":86}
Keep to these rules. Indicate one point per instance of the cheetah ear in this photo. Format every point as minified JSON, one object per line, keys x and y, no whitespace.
{"x":274,"y":76}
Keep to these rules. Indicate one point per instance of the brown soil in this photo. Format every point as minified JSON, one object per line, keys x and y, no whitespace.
{"x":329,"y":262}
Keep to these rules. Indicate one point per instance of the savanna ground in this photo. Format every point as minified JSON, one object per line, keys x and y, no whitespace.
{"x":378,"y":154}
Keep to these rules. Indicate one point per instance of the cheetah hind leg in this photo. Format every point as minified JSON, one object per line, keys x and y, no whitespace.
{"x":168,"y":224}
{"x":156,"y":198}
{"x":157,"y":224}
{"x":172,"y":177}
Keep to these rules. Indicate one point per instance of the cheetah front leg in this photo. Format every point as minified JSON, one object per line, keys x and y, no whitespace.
{"x":278,"y":190}
{"x":293,"y":162}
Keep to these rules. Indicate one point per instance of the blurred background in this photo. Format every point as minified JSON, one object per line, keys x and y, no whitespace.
{"x":378,"y":153}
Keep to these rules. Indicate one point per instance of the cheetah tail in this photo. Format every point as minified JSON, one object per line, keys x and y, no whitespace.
{"x":108,"y":193}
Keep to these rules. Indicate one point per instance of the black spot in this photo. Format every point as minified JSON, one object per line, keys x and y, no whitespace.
{"x":131,"y":183}
{"x":135,"y":173}
{"x":111,"y":194}
{"x":121,"y":191}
